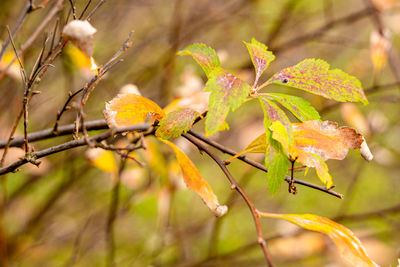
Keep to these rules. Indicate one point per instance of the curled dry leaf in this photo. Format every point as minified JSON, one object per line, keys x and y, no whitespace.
{"x":195,"y":181}
{"x":129,"y":109}
{"x":80,"y":33}
{"x":348,"y":244}
{"x":326,"y":140}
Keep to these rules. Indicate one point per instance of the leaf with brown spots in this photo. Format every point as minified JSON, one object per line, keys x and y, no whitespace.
{"x":314,"y":76}
{"x":128,"y":109}
{"x":195,"y":181}
{"x":176,"y":122}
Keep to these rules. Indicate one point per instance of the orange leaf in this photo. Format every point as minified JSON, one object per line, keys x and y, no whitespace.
{"x":129,"y":109}
{"x":326,"y":140}
{"x":349,"y":245}
{"x":195,"y":181}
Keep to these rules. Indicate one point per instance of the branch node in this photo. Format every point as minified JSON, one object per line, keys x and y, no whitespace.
{"x":233,"y":187}
{"x":261,"y":241}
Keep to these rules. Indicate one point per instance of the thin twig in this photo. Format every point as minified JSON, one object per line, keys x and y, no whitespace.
{"x":89,"y":16}
{"x":235,"y":185}
{"x":65,"y":107}
{"x":84,"y":10}
{"x":73,"y":9}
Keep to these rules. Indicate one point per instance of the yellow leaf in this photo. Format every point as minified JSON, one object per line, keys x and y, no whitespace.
{"x":195,"y":181}
{"x":348,"y":244}
{"x":258,"y":145}
{"x":102,"y":159}
{"x":130,"y":109}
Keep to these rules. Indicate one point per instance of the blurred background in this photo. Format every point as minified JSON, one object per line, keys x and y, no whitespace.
{"x":57,"y":214}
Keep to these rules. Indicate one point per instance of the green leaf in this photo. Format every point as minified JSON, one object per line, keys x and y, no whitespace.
{"x":227,"y":93}
{"x":205,"y":56}
{"x":176,"y":122}
{"x":298,"y":106}
{"x":277,"y":171}
{"x":314,"y":76}
{"x":260,"y":56}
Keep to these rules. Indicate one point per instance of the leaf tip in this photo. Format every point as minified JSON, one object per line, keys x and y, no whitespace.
{"x":365,"y":152}
{"x":220,"y":210}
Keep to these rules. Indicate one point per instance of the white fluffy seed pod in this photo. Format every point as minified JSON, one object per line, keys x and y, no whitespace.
{"x":80,"y":32}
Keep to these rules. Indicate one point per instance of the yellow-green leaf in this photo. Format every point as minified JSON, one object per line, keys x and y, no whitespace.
{"x":176,"y":122}
{"x":258,"y":145}
{"x":195,"y":181}
{"x":314,"y":76}
{"x":280,"y":134}
{"x":260,"y":56}
{"x":348,"y":244}
{"x":227,"y":93}
{"x":205,"y":56}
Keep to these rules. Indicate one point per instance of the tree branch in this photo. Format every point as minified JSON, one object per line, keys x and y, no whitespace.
{"x":242,"y":193}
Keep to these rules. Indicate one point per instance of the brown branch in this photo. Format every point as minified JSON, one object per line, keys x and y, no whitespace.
{"x":235,"y":185}
{"x":72,"y":144}
{"x":260,"y":166}
{"x":48,"y":133}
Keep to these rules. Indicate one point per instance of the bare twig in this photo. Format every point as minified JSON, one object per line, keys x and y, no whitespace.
{"x":235,"y":185}
{"x":49,"y":133}
{"x":89,"y":16}
{"x":73,"y":9}
{"x":32,"y":37}
{"x":65,"y":107}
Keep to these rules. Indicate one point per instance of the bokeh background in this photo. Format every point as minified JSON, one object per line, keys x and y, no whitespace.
{"x":56,"y":215}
